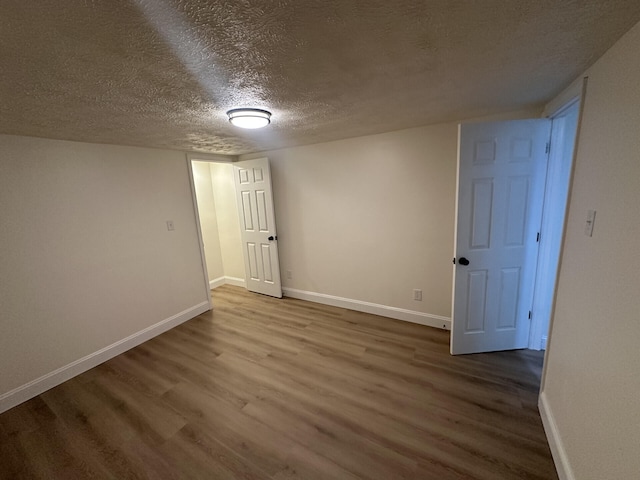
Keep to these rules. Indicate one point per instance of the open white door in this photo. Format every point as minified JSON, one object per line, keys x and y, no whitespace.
{"x":258,"y":227}
{"x":501,"y":174}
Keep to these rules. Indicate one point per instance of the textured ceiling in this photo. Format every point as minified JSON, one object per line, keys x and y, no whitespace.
{"x":162,"y":73}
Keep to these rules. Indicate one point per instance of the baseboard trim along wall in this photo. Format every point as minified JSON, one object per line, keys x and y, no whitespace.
{"x":412,"y":316}
{"x":217,"y":282}
{"x":555,"y":442}
{"x":238,"y":282}
{"x":40,"y":385}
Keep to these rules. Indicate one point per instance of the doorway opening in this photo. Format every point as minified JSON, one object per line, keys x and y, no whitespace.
{"x":236,"y":222}
{"x":215,"y":198}
{"x":513,"y":186}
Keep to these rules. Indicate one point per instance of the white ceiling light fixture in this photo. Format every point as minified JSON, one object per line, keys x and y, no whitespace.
{"x":249,"y":117}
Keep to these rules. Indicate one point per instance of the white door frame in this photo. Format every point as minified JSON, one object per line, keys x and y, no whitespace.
{"x":575,"y":92}
{"x":203,"y":157}
{"x":581,"y":88}
{"x":552,"y":233}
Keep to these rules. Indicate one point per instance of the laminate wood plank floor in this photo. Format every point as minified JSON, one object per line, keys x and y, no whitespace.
{"x":264,"y":388}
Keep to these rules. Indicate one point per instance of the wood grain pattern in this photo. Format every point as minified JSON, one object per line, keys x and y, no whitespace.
{"x":262,"y":388}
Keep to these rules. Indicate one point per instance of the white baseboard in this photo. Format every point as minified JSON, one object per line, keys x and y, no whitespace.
{"x":555,"y":442}
{"x":217,"y":282}
{"x":412,"y":316}
{"x":40,"y":385}
{"x":238,"y":282}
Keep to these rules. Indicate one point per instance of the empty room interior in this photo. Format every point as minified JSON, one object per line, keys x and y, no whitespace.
{"x":320,"y":239}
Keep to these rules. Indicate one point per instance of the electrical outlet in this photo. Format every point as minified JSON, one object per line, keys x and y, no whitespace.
{"x":170,"y":225}
{"x":289,"y":275}
{"x":417,"y":295}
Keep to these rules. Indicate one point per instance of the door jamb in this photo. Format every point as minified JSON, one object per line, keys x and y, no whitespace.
{"x":536,"y":333}
{"x":582,"y":97}
{"x":571,"y":98}
{"x":203,"y":157}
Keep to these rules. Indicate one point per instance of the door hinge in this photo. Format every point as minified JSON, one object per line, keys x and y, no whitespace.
{"x":547,"y":148}
{"x":538,"y":237}
{"x":529,"y":314}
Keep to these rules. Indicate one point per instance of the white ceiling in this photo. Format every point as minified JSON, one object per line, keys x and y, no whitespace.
{"x":162,"y":73}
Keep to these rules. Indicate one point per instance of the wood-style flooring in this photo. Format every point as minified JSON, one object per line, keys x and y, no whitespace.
{"x":262,"y":388}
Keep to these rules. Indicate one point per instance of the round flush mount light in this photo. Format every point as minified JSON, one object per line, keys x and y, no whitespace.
{"x":249,"y":117}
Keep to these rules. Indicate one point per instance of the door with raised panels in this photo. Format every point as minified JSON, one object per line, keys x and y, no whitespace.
{"x":501,"y":174}
{"x":258,"y":227}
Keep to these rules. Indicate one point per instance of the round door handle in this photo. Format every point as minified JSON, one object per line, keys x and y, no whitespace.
{"x":272,"y":238}
{"x":463,"y":261}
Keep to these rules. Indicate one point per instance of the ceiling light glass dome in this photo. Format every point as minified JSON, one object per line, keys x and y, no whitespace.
{"x":249,"y":117}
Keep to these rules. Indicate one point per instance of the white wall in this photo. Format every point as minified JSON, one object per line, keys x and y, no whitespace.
{"x":590,"y":398}
{"x":85,"y":256}
{"x":224,"y":193}
{"x":208,"y":219}
{"x":369,"y":218}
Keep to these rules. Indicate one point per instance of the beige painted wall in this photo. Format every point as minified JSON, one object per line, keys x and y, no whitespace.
{"x":224,"y":193}
{"x":208,"y":219}
{"x":592,"y":381}
{"x":369,"y":218}
{"x":85,"y":256}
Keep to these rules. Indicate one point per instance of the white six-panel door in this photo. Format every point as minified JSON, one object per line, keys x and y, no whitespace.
{"x":501,"y":173}
{"x":257,"y":226}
